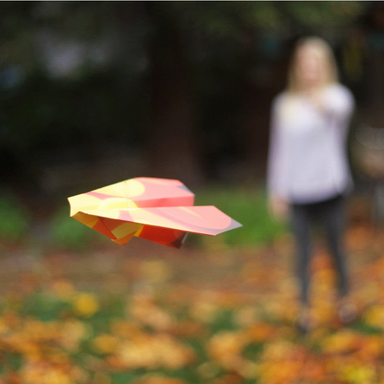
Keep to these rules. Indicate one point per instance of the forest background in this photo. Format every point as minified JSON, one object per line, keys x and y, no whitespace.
{"x":92,"y":93}
{"x":96,"y":92}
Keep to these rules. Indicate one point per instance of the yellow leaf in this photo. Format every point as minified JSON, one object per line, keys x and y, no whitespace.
{"x":86,"y":304}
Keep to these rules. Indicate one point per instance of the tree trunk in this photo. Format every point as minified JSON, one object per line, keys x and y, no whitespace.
{"x":173,"y":150}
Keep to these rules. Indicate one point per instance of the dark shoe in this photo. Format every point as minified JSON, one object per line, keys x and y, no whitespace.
{"x":304,"y":322}
{"x":347,"y":313}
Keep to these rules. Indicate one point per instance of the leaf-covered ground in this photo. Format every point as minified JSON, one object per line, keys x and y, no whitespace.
{"x":146,"y":313}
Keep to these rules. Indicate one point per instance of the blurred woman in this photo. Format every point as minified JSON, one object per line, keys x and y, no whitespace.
{"x":308,"y":175}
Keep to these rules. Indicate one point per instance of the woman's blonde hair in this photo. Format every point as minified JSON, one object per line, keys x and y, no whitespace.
{"x":325,"y":51}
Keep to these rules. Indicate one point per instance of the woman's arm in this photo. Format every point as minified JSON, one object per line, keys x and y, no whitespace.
{"x":276,"y":187}
{"x":336,"y":102}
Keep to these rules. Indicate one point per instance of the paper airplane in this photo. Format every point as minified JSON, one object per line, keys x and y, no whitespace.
{"x":159,"y":210}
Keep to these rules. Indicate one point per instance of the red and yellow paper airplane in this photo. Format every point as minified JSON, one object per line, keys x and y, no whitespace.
{"x":160,"y":210}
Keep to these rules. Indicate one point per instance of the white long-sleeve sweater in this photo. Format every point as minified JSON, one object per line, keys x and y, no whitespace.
{"x":307,"y":159}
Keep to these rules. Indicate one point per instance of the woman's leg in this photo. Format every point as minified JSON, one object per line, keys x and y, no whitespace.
{"x":301,"y":231}
{"x":335,"y":219}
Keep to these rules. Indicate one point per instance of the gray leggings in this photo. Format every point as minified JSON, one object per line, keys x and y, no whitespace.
{"x":331,"y":215}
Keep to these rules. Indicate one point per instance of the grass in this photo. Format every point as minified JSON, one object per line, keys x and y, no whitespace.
{"x":14,"y":218}
{"x":248,"y":206}
{"x":68,"y":233}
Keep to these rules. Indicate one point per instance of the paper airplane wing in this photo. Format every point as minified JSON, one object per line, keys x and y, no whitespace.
{"x":143,"y":192}
{"x":160,"y":210}
{"x":165,"y":225}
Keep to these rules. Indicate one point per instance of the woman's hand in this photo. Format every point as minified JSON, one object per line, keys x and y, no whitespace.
{"x":278,"y":208}
{"x":316,"y":99}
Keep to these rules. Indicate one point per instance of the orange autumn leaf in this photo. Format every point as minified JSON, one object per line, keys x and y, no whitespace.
{"x":105,"y":343}
{"x":157,"y":379}
{"x":85,"y":304}
{"x":341,"y":342}
{"x":153,"y":351}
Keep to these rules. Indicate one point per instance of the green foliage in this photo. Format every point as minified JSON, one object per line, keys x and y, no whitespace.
{"x":69,"y":233}
{"x":322,"y":13}
{"x":233,"y":20}
{"x":43,"y":306}
{"x":247,"y":206}
{"x":14,"y":219}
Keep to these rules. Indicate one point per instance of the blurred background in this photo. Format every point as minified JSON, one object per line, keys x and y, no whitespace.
{"x":93,"y":93}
